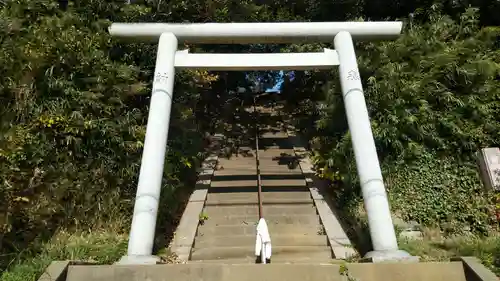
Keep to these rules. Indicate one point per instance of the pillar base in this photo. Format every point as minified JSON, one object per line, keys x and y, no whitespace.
{"x":389,"y":256}
{"x":137,"y":260}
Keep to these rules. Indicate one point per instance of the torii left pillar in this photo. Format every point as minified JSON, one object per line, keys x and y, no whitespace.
{"x":142,"y":233}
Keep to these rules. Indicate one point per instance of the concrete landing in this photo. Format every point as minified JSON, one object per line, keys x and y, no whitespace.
{"x":439,"y":271}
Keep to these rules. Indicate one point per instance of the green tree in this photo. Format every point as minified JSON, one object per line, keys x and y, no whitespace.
{"x":433,"y":97}
{"x":74,"y":109}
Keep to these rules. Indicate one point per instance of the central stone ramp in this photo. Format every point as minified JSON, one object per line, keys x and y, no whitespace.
{"x":231,"y":212}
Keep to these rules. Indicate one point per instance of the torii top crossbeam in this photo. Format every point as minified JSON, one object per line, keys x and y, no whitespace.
{"x":256,"y":33}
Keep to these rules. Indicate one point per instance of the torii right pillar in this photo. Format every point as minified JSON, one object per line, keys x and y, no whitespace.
{"x":383,"y":235}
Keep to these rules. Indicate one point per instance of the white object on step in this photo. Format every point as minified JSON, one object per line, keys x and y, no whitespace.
{"x":263,"y":241}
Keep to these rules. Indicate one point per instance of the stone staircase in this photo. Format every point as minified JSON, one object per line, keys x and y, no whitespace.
{"x":231,"y":208}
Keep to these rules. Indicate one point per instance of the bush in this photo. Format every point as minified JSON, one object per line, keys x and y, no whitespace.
{"x":72,"y":126}
{"x":433,"y":97}
{"x":441,"y":193}
{"x":100,"y":247}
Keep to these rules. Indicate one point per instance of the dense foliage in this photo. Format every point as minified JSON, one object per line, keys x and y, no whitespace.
{"x":74,"y":108}
{"x":434,"y":101}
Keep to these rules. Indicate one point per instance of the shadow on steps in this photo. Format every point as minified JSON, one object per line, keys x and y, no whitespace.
{"x":253,"y":188}
{"x":254,"y":177}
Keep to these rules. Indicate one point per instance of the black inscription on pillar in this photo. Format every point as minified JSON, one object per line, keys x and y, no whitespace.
{"x":353,"y":75}
{"x":161,"y":77}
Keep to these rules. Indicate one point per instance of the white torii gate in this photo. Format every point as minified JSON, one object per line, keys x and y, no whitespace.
{"x":168,"y":58}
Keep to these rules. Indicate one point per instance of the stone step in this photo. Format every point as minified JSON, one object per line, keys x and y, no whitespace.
{"x":249,"y":201}
{"x":293,"y":182}
{"x":253,"y":177}
{"x":252,"y":220}
{"x":300,"y":197}
{"x":276,"y":159}
{"x":279,"y":165}
{"x":252,"y":171}
{"x":275,"y":143}
{"x":250,"y":154}
{"x":284,"y":252}
{"x":269,"y":210}
{"x":271,"y":155}
{"x":235,"y":157}
{"x":215,"y":271}
{"x":274,"y":135}
{"x":265,"y":152}
{"x":235,"y":189}
{"x":249,"y":240}
{"x":265,"y":195}
{"x":272,"y":169}
{"x":274,"y":229}
{"x":275,"y":260}
{"x":274,"y":139}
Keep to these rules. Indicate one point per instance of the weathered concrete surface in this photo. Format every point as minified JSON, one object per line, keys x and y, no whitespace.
{"x":264,"y":182}
{"x":253,"y":196}
{"x":294,"y":251}
{"x":277,"y":170}
{"x":246,"y":201}
{"x":271,"y":272}
{"x":311,"y":219}
{"x":275,"y":260}
{"x":270,"y":210}
{"x":241,"y":198}
{"x":56,"y":271}
{"x":475,"y":271}
{"x":226,"y":230}
{"x":278,"y":240}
